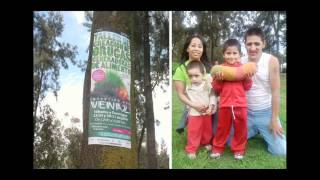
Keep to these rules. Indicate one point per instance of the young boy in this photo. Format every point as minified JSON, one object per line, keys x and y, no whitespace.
{"x":232,"y":105}
{"x":199,"y":123}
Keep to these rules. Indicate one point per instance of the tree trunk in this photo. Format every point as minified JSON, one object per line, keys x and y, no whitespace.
{"x":141,"y":138}
{"x":151,"y":145}
{"x":103,"y":156}
{"x":37,"y":94}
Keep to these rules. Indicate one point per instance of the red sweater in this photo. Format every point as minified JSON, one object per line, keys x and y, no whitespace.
{"x":232,"y":93}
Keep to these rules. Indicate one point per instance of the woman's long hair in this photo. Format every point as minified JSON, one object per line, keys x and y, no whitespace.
{"x":185,"y":54}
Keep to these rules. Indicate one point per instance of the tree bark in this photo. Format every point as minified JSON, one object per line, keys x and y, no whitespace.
{"x":103,"y":156}
{"x":151,"y":145}
{"x":141,"y":138}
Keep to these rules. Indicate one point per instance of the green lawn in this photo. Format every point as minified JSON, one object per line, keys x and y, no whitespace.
{"x":256,"y":157}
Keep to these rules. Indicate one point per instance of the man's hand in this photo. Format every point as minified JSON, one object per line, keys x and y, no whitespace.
{"x":249,"y":76}
{"x":276,"y":129}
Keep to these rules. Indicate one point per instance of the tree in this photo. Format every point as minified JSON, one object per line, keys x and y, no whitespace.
{"x":163,"y":156}
{"x":159,"y":64}
{"x":137,"y":69}
{"x":98,"y":156}
{"x":241,"y":21}
{"x":89,"y":17}
{"x":273,"y":24}
{"x":73,"y":151}
{"x":212,"y":25}
{"x":151,"y":148}
{"x":159,"y":43}
{"x":48,"y":145}
{"x":177,"y":18}
{"x":48,"y":54}
{"x":217,"y":26}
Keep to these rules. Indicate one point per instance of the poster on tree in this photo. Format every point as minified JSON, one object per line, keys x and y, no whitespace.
{"x":109,"y":114}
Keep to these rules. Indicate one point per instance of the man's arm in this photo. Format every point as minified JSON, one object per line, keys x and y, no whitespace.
{"x":274,"y":76}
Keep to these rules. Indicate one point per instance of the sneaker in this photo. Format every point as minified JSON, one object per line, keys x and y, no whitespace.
{"x":208,"y":147}
{"x":192,"y":156}
{"x":180,"y":131}
{"x":215,"y":155}
{"x":238,"y":156}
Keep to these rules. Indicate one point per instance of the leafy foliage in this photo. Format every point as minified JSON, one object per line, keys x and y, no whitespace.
{"x":49,"y":54}
{"x":48,"y":145}
{"x":217,"y":26}
{"x":73,"y":135}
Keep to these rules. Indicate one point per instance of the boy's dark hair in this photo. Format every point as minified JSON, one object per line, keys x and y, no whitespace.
{"x":255,"y":30}
{"x":231,"y":42}
{"x":196,"y":64}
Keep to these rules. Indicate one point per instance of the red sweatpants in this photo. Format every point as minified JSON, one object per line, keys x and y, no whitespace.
{"x":225,"y":119}
{"x":199,"y":132}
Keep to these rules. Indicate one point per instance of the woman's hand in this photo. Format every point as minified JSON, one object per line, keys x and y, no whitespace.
{"x":214,"y":109}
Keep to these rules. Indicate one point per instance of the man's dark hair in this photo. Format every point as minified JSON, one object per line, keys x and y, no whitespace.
{"x":255,"y":30}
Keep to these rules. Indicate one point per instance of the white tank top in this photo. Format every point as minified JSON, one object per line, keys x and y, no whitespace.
{"x":259,"y":96}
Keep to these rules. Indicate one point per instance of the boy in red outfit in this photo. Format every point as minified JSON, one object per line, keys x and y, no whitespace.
{"x":199,"y":123}
{"x":232,"y":105}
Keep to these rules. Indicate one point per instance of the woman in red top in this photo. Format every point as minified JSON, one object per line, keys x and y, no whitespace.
{"x":232,"y":105}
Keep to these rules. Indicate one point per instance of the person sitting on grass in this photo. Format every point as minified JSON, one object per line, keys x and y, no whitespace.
{"x":264,"y":96}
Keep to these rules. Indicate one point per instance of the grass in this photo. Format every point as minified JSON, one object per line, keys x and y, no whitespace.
{"x":257,"y":156}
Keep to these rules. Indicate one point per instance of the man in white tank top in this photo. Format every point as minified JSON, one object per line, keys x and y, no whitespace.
{"x":264,"y":96}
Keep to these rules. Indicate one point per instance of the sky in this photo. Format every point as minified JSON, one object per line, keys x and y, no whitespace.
{"x":71,"y":82}
{"x":71,"y":79}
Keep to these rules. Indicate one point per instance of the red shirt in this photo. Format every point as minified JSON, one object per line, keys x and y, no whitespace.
{"x":232,"y":93}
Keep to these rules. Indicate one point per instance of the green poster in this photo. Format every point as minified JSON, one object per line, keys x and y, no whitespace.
{"x":109,"y":115}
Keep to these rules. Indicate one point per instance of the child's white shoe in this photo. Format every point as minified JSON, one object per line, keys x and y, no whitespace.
{"x":215,"y":155}
{"x":208,"y":147}
{"x":238,"y":156}
{"x":192,"y":156}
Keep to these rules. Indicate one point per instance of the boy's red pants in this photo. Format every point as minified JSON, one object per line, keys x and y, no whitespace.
{"x":225,"y":119}
{"x":199,"y":132}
